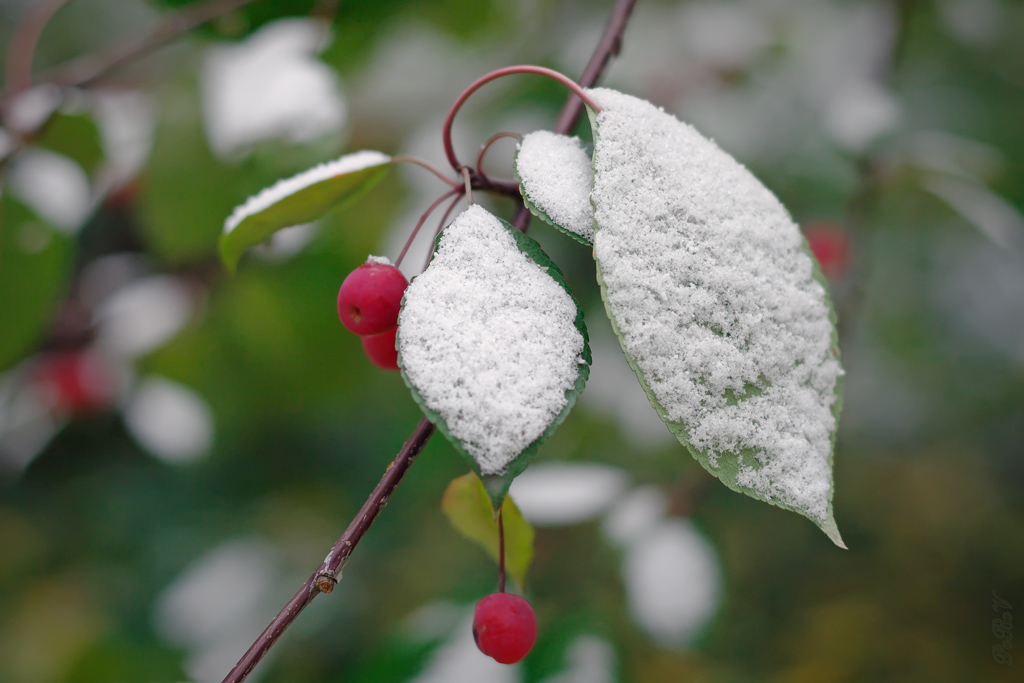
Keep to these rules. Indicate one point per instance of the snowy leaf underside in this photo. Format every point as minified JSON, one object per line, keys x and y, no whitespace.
{"x":555,"y":174}
{"x":493,"y":345}
{"x":303,"y":198}
{"x":717,"y":307}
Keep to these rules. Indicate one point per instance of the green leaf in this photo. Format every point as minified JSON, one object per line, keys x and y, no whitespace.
{"x":303,"y":198}
{"x":467,"y":506}
{"x":471,"y":350}
{"x":35,"y":267}
{"x":75,"y":136}
{"x":187,"y":190}
{"x":718,"y":306}
{"x":555,"y":176}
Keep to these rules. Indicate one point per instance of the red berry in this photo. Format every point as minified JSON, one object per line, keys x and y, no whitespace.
{"x":831,"y":246}
{"x":370,"y":297}
{"x":504,"y":627}
{"x":75,"y":382}
{"x":380,"y":348}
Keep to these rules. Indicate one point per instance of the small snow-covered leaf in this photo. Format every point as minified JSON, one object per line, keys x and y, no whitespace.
{"x":468,"y":507}
{"x":554,"y":175}
{"x":718,"y":306}
{"x":303,"y":198}
{"x":493,"y":345}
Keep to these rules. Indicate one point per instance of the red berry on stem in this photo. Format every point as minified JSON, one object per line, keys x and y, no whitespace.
{"x":504,"y":627}
{"x":370,"y":297}
{"x":380,"y":348}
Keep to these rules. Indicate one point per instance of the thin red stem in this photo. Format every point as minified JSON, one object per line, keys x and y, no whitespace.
{"x":457,"y":190}
{"x":430,"y":167}
{"x":440,"y":227}
{"x":487,"y":145}
{"x":449,"y":150}
{"x":501,"y":552}
{"x":324,"y":582}
{"x":469,"y":185}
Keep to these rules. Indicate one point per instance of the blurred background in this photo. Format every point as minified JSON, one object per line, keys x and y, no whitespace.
{"x":179,"y":448}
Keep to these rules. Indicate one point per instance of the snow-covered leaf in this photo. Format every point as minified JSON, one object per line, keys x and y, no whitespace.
{"x":554,"y":175}
{"x":468,"y":507}
{"x":718,"y":306}
{"x":493,"y":345}
{"x":303,"y":198}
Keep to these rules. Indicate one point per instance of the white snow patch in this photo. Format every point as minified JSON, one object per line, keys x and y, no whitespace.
{"x":142,"y":315}
{"x":555,"y":174}
{"x":673,"y":582}
{"x":706,"y":281}
{"x":54,"y":186}
{"x":487,"y":338}
{"x":170,"y":421}
{"x":556,"y":493}
{"x":270,"y":86}
{"x":127,"y":123}
{"x":859,"y":113}
{"x":219,"y":604}
{"x":460,"y":661}
{"x":635,"y":515}
{"x":30,"y":109}
{"x":282,"y":189}
{"x":591,"y":660}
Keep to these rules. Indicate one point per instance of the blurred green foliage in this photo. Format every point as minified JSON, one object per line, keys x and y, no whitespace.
{"x":929,"y":468}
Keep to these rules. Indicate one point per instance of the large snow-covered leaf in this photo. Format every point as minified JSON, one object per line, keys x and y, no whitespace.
{"x":468,"y":507}
{"x":554,"y":175}
{"x":303,"y":198}
{"x":717,"y":305}
{"x":493,"y":345}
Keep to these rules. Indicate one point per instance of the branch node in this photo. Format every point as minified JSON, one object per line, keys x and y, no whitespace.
{"x":324,"y":583}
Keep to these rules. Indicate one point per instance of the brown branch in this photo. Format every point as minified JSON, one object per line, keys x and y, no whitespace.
{"x":610,"y":45}
{"x":22,"y":48}
{"x":87,"y":69}
{"x":324,"y":578}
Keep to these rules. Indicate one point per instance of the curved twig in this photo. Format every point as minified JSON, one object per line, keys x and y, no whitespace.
{"x":449,"y":149}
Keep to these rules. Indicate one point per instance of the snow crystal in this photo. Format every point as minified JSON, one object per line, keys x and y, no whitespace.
{"x":350,"y":163}
{"x":487,"y":338}
{"x":379,"y":260}
{"x":706,"y":281}
{"x":555,"y":174}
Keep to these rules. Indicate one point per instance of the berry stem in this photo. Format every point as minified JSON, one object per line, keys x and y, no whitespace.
{"x":469,"y":188}
{"x":501,"y":552}
{"x":487,"y":145}
{"x":430,"y":167}
{"x":440,"y":227}
{"x":449,"y":149}
{"x":426,"y":214}
{"x":323,"y":582}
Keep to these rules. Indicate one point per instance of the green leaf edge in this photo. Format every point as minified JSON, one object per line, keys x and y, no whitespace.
{"x":540,"y":213}
{"x":497,"y":484}
{"x":728,"y":468}
{"x":252,"y":230}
